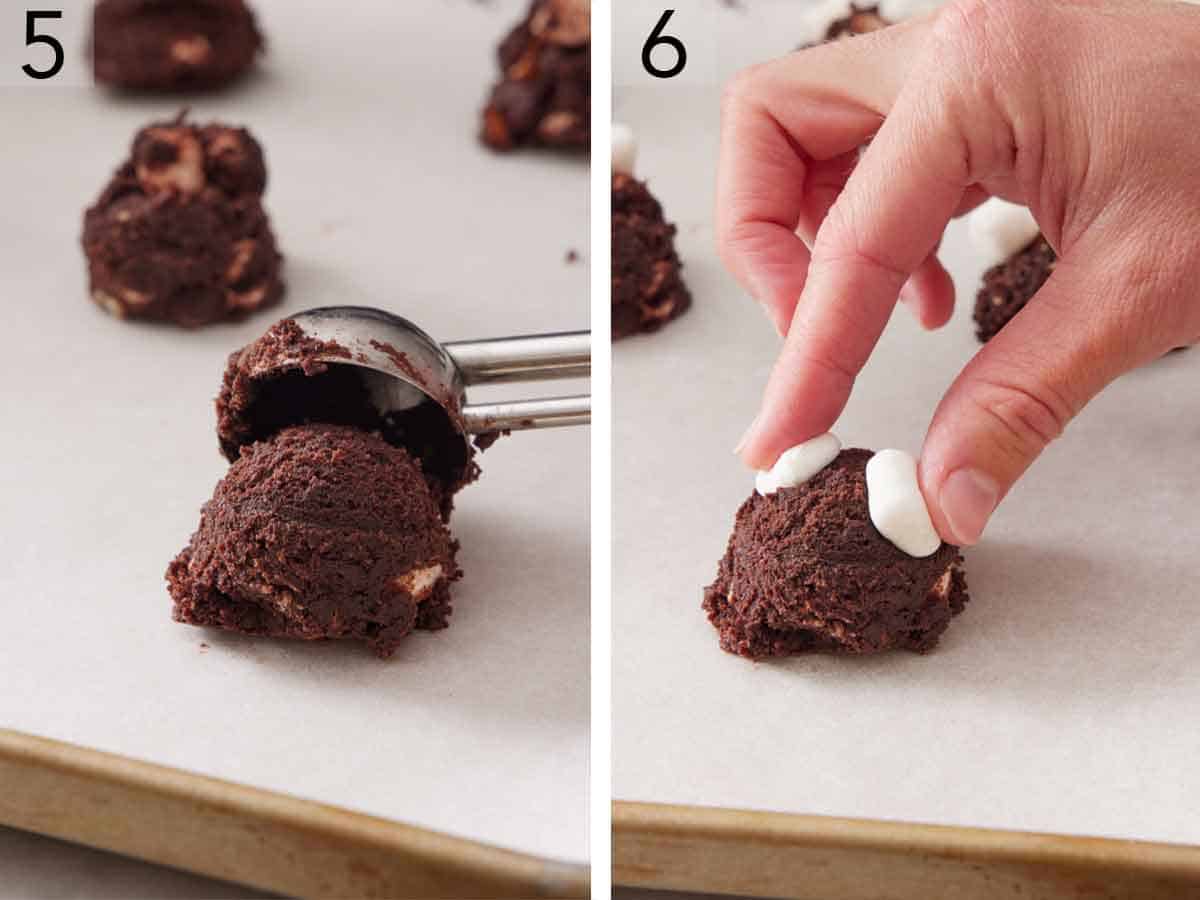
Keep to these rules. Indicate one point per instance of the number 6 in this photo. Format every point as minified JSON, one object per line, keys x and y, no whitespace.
{"x":656,"y":38}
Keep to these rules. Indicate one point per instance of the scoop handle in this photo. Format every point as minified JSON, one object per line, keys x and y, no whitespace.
{"x":523,"y":415}
{"x":531,"y":357}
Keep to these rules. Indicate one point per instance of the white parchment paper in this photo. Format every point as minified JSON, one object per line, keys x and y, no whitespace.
{"x":379,"y":195}
{"x":1065,"y":698}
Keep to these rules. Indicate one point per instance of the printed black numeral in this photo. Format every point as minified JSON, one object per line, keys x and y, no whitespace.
{"x":656,"y":39}
{"x":32,"y":37}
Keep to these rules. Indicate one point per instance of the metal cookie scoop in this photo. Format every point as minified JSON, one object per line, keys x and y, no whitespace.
{"x":416,"y":387}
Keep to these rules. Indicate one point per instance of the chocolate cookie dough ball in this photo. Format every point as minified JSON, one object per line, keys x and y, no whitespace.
{"x":288,"y":378}
{"x":544,"y":96}
{"x":858,"y":20}
{"x":180,"y":234}
{"x":806,"y":570}
{"x":647,"y":282}
{"x":319,"y":532}
{"x":1007,"y":287}
{"x":1010,"y":285}
{"x":165,"y":45}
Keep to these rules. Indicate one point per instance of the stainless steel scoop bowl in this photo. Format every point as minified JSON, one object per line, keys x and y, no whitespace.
{"x":403,"y":369}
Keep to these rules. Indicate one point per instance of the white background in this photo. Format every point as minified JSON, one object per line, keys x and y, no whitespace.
{"x":1064,"y":699}
{"x":380,"y":195}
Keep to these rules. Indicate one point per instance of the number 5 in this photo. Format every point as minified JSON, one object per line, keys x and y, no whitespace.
{"x":656,"y":38}
{"x":32,"y":37}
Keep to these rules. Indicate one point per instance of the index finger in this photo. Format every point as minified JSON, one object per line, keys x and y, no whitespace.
{"x":887,"y":221}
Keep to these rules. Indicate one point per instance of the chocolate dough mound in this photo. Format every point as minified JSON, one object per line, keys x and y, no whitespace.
{"x":1009,"y":286}
{"x":284,"y":378}
{"x":544,"y":96}
{"x":806,"y":570}
{"x":179,"y":234}
{"x":647,"y":285}
{"x":173,"y":45}
{"x":858,"y":20}
{"x":319,"y":532}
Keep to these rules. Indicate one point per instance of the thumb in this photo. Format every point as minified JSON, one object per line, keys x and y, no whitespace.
{"x":1019,"y":392}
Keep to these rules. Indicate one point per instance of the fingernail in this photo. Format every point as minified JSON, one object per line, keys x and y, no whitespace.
{"x":741,"y":445}
{"x":968,"y":498}
{"x":777,"y":321}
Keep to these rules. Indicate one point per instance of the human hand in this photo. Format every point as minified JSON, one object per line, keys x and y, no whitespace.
{"x":1087,"y":111}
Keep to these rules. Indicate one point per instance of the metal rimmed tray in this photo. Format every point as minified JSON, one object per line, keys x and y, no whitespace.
{"x":250,"y":836}
{"x":765,"y":854}
{"x":1059,"y":703}
{"x":380,"y":195}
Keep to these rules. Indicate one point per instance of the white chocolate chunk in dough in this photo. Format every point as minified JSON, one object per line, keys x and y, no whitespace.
{"x":419,"y":582}
{"x":191,"y":51}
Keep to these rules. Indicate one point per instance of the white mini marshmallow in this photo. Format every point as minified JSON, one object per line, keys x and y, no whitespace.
{"x":999,"y":229}
{"x":899,"y":10}
{"x":624,"y":149}
{"x":798,"y":464}
{"x":895,"y":503}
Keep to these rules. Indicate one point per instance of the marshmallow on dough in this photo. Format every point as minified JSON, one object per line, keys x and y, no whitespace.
{"x":624,"y":149}
{"x":798,"y":464}
{"x":899,"y":10}
{"x":999,"y":229}
{"x":896,"y":506}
